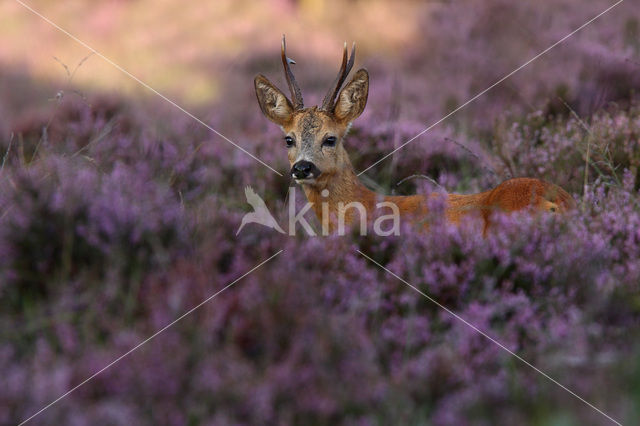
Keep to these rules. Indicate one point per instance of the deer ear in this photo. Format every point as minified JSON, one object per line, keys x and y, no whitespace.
{"x":353,"y":97}
{"x":273,"y":103}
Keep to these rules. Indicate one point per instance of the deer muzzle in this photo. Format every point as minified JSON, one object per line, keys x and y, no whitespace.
{"x":303,"y":169}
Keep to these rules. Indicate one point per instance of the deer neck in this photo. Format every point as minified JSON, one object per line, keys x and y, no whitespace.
{"x":330,"y":195}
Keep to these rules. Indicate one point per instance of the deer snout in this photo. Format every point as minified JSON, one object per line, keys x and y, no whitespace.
{"x":304,"y":170}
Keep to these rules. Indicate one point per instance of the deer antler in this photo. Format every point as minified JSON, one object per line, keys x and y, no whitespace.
{"x":345,"y":68}
{"x":296,"y":95}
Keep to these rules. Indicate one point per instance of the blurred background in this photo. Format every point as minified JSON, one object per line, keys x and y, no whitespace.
{"x":438,"y":52}
{"x":187,"y":51}
{"x":118,"y":214}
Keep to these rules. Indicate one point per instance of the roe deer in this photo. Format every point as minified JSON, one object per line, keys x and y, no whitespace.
{"x":320,"y":164}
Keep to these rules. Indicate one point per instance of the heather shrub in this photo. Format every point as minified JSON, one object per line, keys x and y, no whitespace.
{"x":118,"y":215}
{"x":537,"y":287}
{"x":556,"y":148}
{"x":64,"y":219}
{"x":100,"y":251}
{"x":594,"y":67}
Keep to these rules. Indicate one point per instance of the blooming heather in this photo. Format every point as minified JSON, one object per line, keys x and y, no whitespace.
{"x":125,"y":218}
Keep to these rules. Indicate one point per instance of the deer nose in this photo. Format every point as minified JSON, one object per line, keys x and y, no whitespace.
{"x":304,"y":169}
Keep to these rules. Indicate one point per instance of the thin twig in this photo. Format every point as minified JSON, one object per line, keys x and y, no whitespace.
{"x":588,"y":153}
{"x":108,"y":127}
{"x":66,"y":68}
{"x":586,"y":166}
{"x":6,"y":154}
{"x":483,"y":163}
{"x":59,"y":97}
{"x":424,"y":177}
{"x":82,"y":61}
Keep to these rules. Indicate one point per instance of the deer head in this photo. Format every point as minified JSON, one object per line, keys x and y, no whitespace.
{"x":314,"y":135}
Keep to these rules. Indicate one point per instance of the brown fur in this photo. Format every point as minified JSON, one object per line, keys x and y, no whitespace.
{"x":511,"y":195}
{"x":309,"y":128}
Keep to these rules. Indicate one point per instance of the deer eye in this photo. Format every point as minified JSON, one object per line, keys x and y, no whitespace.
{"x":289,"y":141}
{"x":329,"y":141}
